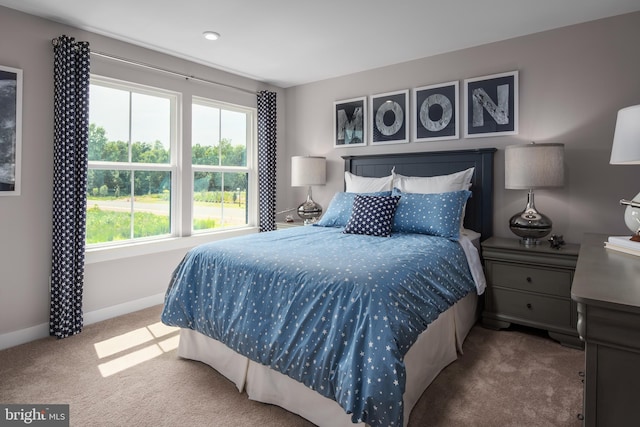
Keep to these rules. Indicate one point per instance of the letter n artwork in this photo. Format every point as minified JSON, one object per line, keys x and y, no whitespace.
{"x":491,"y":105}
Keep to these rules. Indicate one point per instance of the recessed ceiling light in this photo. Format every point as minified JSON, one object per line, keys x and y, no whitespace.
{"x":211,"y":35}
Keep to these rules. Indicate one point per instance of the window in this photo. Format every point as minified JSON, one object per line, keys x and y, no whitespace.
{"x":221,"y":137}
{"x":135,"y":188}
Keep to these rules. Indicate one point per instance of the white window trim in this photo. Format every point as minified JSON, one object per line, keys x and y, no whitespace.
{"x":149,"y":247}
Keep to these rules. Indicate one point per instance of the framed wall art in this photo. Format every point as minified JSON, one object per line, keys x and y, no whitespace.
{"x":10,"y":130}
{"x":436,"y":112}
{"x":491,"y":105}
{"x":389,"y":122}
{"x":349,"y":122}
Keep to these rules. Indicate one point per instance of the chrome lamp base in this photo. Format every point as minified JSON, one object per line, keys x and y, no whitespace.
{"x":530,"y":224}
{"x":309,"y":210}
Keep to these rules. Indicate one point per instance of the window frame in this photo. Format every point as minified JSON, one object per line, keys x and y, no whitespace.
{"x":249,"y":168}
{"x":171,"y":167}
{"x":182,"y":235}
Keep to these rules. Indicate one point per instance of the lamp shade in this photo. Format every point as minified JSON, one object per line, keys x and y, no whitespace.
{"x":626,"y":139}
{"x":533,"y":166}
{"x":308,"y":170}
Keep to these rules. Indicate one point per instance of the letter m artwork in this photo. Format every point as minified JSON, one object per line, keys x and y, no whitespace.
{"x":349,"y":122}
{"x":491,"y":105}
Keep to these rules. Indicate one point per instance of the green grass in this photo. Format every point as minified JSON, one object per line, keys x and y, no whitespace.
{"x":105,"y":226}
{"x":108,"y":226}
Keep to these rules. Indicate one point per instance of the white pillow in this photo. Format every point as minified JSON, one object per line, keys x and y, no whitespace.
{"x":434,"y":184}
{"x":362,"y":184}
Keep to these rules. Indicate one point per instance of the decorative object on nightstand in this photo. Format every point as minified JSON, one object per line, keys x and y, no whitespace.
{"x":531,"y":286}
{"x":556,"y":242}
{"x":308,"y":171}
{"x":623,"y":244}
{"x":626,"y":151}
{"x":528,"y":167}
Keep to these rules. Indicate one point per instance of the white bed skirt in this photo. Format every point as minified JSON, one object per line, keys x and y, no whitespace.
{"x":423,"y":362}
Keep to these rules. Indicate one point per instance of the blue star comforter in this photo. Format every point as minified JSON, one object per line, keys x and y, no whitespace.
{"x":335,"y":311}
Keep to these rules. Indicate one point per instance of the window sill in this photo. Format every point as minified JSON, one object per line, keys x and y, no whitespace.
{"x":112,"y":253}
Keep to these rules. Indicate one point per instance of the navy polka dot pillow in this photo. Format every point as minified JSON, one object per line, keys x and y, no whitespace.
{"x":372,"y":215}
{"x":340,"y":207}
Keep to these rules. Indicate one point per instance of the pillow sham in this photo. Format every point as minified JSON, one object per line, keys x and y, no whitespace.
{"x":340,"y":207}
{"x":436,"y":214}
{"x":433,"y":184}
{"x":372,"y":215}
{"x":363,"y":184}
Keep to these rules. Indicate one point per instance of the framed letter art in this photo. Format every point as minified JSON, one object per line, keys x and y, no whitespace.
{"x":349,"y":122}
{"x":436,"y":114}
{"x":390,"y":117}
{"x":491,"y":105}
{"x":10,"y":130}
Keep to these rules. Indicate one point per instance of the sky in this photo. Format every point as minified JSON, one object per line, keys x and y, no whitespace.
{"x":109,"y":108}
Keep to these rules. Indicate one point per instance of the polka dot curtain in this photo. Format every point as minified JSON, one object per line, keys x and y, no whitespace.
{"x":267,"y":160}
{"x":71,"y":139}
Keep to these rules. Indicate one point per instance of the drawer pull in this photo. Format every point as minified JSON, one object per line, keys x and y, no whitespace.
{"x":529,"y":306}
{"x":529,"y":280}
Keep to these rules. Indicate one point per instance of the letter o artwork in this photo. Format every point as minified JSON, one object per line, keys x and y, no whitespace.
{"x":393,"y":128}
{"x":445,"y":118}
{"x":390,"y":117}
{"x":436,"y":114}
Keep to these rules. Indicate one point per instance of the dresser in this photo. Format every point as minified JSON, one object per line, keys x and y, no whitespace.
{"x":531,"y":286}
{"x":606,"y":287}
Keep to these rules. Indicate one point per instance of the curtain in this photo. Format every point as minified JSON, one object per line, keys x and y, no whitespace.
{"x":267,"y":160}
{"x":70,"y":142}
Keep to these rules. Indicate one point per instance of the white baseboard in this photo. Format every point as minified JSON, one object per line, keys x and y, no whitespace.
{"x":11,"y":339}
{"x":120,"y":309}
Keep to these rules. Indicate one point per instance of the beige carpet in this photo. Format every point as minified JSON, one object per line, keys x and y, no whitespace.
{"x":125,"y":372}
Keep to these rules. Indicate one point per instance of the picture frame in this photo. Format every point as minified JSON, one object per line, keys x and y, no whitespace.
{"x":491,"y":105}
{"x":389,"y":121}
{"x":349,"y":122}
{"x":435,"y":115}
{"x":10,"y":130}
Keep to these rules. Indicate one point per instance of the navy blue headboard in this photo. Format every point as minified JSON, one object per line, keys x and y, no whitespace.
{"x":479,"y":212}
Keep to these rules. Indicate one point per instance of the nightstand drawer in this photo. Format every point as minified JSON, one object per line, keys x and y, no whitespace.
{"x":551,"y":282}
{"x":535,"y":308}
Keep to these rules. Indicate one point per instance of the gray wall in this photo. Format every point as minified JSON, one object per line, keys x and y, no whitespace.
{"x":115,"y":284}
{"x":572,"y":82}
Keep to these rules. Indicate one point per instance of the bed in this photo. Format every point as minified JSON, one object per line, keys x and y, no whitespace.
{"x":340,"y":328}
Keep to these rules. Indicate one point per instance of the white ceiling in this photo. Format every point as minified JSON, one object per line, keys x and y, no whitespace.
{"x":291,"y":42}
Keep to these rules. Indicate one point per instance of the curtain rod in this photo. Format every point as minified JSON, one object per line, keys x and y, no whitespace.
{"x":163,"y":70}
{"x":166,"y":71}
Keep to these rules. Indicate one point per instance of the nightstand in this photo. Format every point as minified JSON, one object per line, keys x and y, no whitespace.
{"x":531,"y":286}
{"x":281,"y":225}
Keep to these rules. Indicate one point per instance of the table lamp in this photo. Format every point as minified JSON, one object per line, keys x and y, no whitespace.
{"x":626,"y":151}
{"x":527,"y":167}
{"x":308,"y":171}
